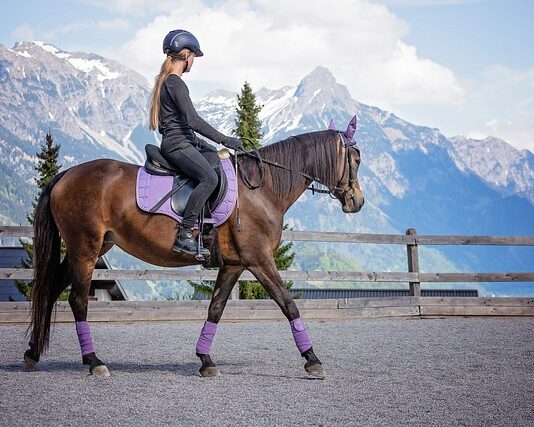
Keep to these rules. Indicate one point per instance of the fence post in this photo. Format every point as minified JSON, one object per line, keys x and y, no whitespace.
{"x":235,"y":291}
{"x":413,"y":264}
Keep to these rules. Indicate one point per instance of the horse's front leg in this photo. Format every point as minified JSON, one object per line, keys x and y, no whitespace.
{"x":226,"y":279}
{"x":267,"y":274}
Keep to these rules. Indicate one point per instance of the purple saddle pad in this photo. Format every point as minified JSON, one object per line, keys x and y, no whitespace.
{"x":150,"y":189}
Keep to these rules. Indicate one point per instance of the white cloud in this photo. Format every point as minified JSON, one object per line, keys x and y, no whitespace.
{"x":504,"y":99}
{"x":116,"y":24}
{"x":273,"y":43}
{"x":133,"y":7}
{"x":519,"y":132}
{"x":23,"y":32}
{"x":419,"y":3}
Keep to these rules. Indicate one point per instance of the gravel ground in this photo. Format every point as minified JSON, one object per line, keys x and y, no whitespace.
{"x":396,"y":371}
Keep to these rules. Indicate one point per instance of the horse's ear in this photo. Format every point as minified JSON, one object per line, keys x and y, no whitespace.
{"x":351,"y":128}
{"x":332,"y":125}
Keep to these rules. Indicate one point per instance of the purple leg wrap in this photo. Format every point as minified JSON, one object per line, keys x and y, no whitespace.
{"x":300,"y":334}
{"x":206,"y":337}
{"x":84,"y":336}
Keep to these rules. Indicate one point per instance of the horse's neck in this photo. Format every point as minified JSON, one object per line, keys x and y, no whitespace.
{"x":297,"y":192}
{"x":302,"y":183}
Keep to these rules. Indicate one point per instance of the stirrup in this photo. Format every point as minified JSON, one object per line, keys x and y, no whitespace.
{"x":199,"y":256}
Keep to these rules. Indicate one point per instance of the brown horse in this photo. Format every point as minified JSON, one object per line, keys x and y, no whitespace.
{"x":92,"y":207}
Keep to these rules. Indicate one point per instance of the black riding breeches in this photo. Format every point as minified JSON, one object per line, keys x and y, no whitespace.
{"x":193,"y":164}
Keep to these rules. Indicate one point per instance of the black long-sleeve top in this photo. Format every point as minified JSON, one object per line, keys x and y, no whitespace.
{"x":178,"y":117}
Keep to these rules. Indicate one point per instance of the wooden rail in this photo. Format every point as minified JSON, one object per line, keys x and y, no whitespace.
{"x":335,"y":237}
{"x":332,"y":276}
{"x":411,"y":240}
{"x":327,"y":309}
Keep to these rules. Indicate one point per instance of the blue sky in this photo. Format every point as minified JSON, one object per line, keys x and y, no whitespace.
{"x":463,"y":66}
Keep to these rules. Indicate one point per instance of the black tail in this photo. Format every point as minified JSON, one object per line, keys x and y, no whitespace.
{"x":46,"y":258}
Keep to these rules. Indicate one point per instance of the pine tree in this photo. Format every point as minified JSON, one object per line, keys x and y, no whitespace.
{"x":46,"y":168}
{"x":248,"y":124}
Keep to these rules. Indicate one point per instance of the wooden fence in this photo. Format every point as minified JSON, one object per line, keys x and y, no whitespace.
{"x":411,"y":240}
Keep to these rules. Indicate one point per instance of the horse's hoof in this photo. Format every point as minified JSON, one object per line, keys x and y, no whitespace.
{"x":29,"y":363}
{"x":316,"y":370}
{"x":100,"y":371}
{"x":209,"y":372}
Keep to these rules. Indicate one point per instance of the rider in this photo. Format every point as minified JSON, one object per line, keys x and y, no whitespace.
{"x":172,"y":112}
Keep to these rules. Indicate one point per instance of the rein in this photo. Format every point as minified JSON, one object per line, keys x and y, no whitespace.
{"x":313,"y":189}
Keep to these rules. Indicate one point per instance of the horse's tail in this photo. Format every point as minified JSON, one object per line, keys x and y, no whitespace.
{"x":46,"y":259}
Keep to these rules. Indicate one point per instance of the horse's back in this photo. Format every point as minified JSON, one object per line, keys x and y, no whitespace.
{"x":95,"y":175}
{"x":91,"y":190}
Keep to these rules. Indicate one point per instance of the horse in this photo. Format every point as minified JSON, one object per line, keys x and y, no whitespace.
{"x":92,"y":207}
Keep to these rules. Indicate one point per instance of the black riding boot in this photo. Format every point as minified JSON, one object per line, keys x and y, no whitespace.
{"x":185,"y":243}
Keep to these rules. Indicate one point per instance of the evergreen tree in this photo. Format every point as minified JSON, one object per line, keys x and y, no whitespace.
{"x":46,"y":168}
{"x":247,"y":123}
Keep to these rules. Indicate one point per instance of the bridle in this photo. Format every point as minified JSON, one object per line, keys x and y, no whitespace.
{"x":346,"y":143}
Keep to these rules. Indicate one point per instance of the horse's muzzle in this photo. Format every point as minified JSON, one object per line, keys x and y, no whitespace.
{"x":353,"y":205}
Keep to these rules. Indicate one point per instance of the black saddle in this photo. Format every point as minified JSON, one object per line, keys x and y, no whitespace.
{"x":183,"y":186}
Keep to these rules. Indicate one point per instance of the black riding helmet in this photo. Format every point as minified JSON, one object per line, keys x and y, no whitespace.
{"x":177,"y":40}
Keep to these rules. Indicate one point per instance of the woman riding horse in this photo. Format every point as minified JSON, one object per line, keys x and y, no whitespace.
{"x":92,"y":207}
{"x":174,"y":115}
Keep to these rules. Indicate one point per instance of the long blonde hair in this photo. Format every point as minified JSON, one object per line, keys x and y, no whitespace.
{"x":165,"y":70}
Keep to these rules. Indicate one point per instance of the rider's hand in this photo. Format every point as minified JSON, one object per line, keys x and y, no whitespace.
{"x":233,"y":143}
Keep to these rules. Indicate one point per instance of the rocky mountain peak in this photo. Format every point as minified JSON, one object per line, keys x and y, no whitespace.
{"x":321,"y":75}
{"x":321,"y":83}
{"x":502,"y":166}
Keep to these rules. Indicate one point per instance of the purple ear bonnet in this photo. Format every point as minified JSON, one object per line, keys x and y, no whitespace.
{"x":351,"y":128}
{"x":332,"y":125}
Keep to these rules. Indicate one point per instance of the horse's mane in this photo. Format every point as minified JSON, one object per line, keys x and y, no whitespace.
{"x":314,"y":153}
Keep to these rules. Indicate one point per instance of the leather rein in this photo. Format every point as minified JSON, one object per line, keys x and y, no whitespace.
{"x":330,"y":191}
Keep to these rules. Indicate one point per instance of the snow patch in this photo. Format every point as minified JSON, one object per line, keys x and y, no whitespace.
{"x":88,"y":65}
{"x":273,"y":106}
{"x":25,"y":53}
{"x":394,"y":134}
{"x":47,"y":47}
{"x":294,"y":123}
{"x":221,"y":100}
{"x":314,"y":95}
{"x":127,"y":151}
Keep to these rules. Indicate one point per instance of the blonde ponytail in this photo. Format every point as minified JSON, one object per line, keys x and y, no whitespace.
{"x":166,"y":69}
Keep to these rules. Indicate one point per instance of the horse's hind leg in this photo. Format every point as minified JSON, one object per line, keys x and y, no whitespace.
{"x":31,"y":357}
{"x":82,"y":266}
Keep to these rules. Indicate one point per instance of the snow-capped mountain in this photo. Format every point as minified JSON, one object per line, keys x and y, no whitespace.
{"x":412,"y":176}
{"x":93,"y":106}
